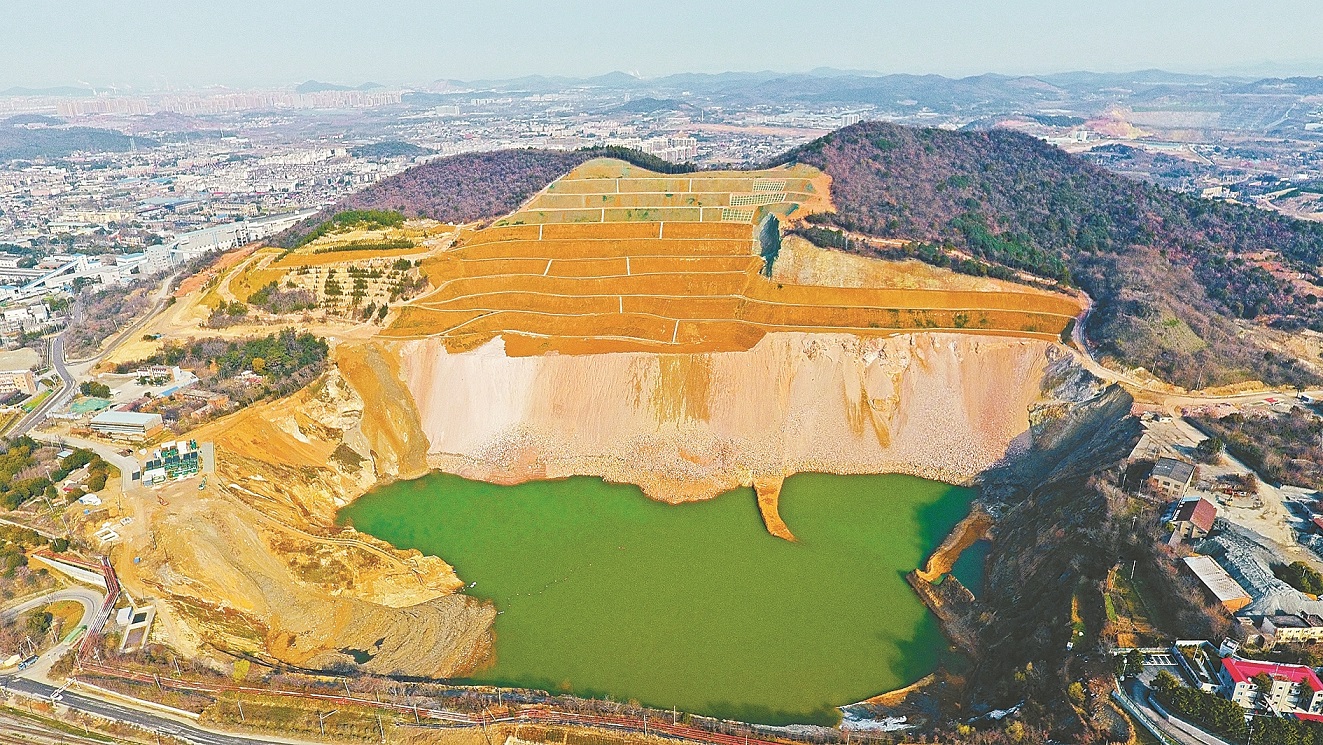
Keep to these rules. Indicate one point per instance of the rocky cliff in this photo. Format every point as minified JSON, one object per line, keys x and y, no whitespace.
{"x":942,"y":406}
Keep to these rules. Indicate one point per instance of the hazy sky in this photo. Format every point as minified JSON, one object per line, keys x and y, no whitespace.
{"x":242,"y":42}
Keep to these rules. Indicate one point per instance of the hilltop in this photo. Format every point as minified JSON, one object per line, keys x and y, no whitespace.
{"x":472,"y":186}
{"x":1170,"y":274}
{"x":1175,"y":279}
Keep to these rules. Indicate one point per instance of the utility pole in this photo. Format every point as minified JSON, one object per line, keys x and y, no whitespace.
{"x":241,"y":717}
{"x":482,"y":717}
{"x":321,"y":720}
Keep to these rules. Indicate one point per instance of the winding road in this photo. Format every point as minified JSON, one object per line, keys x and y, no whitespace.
{"x":68,"y":389}
{"x":89,"y":599}
{"x":32,"y":681}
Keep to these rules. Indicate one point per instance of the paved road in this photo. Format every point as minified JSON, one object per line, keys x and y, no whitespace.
{"x":118,"y":712}
{"x":127,"y":465}
{"x":89,"y":599}
{"x":59,"y":363}
{"x":1085,"y":354}
{"x":91,"y":602}
{"x":162,"y":298}
{"x":1137,"y":693}
{"x":55,"y":400}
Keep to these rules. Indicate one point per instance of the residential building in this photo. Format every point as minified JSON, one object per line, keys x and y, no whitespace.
{"x":1193,"y":519}
{"x":1291,"y":688}
{"x":17,"y":381}
{"x":1220,"y":584}
{"x":1288,"y":628}
{"x":1170,"y":478}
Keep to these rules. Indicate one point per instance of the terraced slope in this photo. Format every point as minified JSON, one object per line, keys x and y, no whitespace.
{"x":614,"y":258}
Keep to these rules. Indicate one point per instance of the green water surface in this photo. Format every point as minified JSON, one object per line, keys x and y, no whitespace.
{"x":605,"y":592}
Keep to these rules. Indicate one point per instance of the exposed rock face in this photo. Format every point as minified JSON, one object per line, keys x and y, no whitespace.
{"x":942,"y":406}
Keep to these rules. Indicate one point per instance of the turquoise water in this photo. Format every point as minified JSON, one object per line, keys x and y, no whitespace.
{"x":605,"y":592}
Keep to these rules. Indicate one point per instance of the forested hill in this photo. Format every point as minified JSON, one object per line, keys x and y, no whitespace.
{"x":472,"y":186}
{"x":461,"y":188}
{"x":1169,"y":272}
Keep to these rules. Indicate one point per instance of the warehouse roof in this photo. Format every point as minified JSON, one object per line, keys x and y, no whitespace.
{"x":1216,"y":579}
{"x":126,"y":418}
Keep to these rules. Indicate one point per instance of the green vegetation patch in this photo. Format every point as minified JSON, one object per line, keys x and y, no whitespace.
{"x":1301,"y":576}
{"x":391,"y":245}
{"x":350,"y":219}
{"x":283,"y":363}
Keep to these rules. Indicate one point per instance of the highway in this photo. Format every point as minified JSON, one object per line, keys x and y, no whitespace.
{"x":30,"y":681}
{"x":117,"y":712}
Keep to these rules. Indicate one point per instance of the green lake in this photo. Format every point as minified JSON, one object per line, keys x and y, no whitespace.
{"x":605,"y":592}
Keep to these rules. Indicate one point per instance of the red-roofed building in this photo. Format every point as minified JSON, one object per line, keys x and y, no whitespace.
{"x":1294,"y":689}
{"x":1194,"y":518}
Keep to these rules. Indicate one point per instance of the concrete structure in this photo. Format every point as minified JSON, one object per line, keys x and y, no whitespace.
{"x":1227,"y":591}
{"x":17,"y":381}
{"x":81,"y":571}
{"x":1170,"y":478}
{"x":1293,"y":688}
{"x":126,"y":424}
{"x":1193,"y":519}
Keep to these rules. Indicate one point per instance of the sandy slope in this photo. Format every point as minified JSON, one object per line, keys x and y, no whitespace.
{"x":683,"y":427}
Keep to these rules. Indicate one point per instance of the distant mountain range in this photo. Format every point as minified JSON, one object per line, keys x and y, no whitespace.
{"x":61,"y":90}
{"x":1241,"y":103}
{"x":316,"y":86}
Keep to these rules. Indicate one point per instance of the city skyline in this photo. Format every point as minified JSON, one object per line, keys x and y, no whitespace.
{"x":152,"y":45}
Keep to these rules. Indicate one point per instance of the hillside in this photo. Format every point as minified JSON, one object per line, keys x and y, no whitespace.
{"x":20,"y":143}
{"x":458,"y":189}
{"x":1170,"y":273}
{"x":1175,"y":278}
{"x":473,"y":186}
{"x":613,"y":257}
